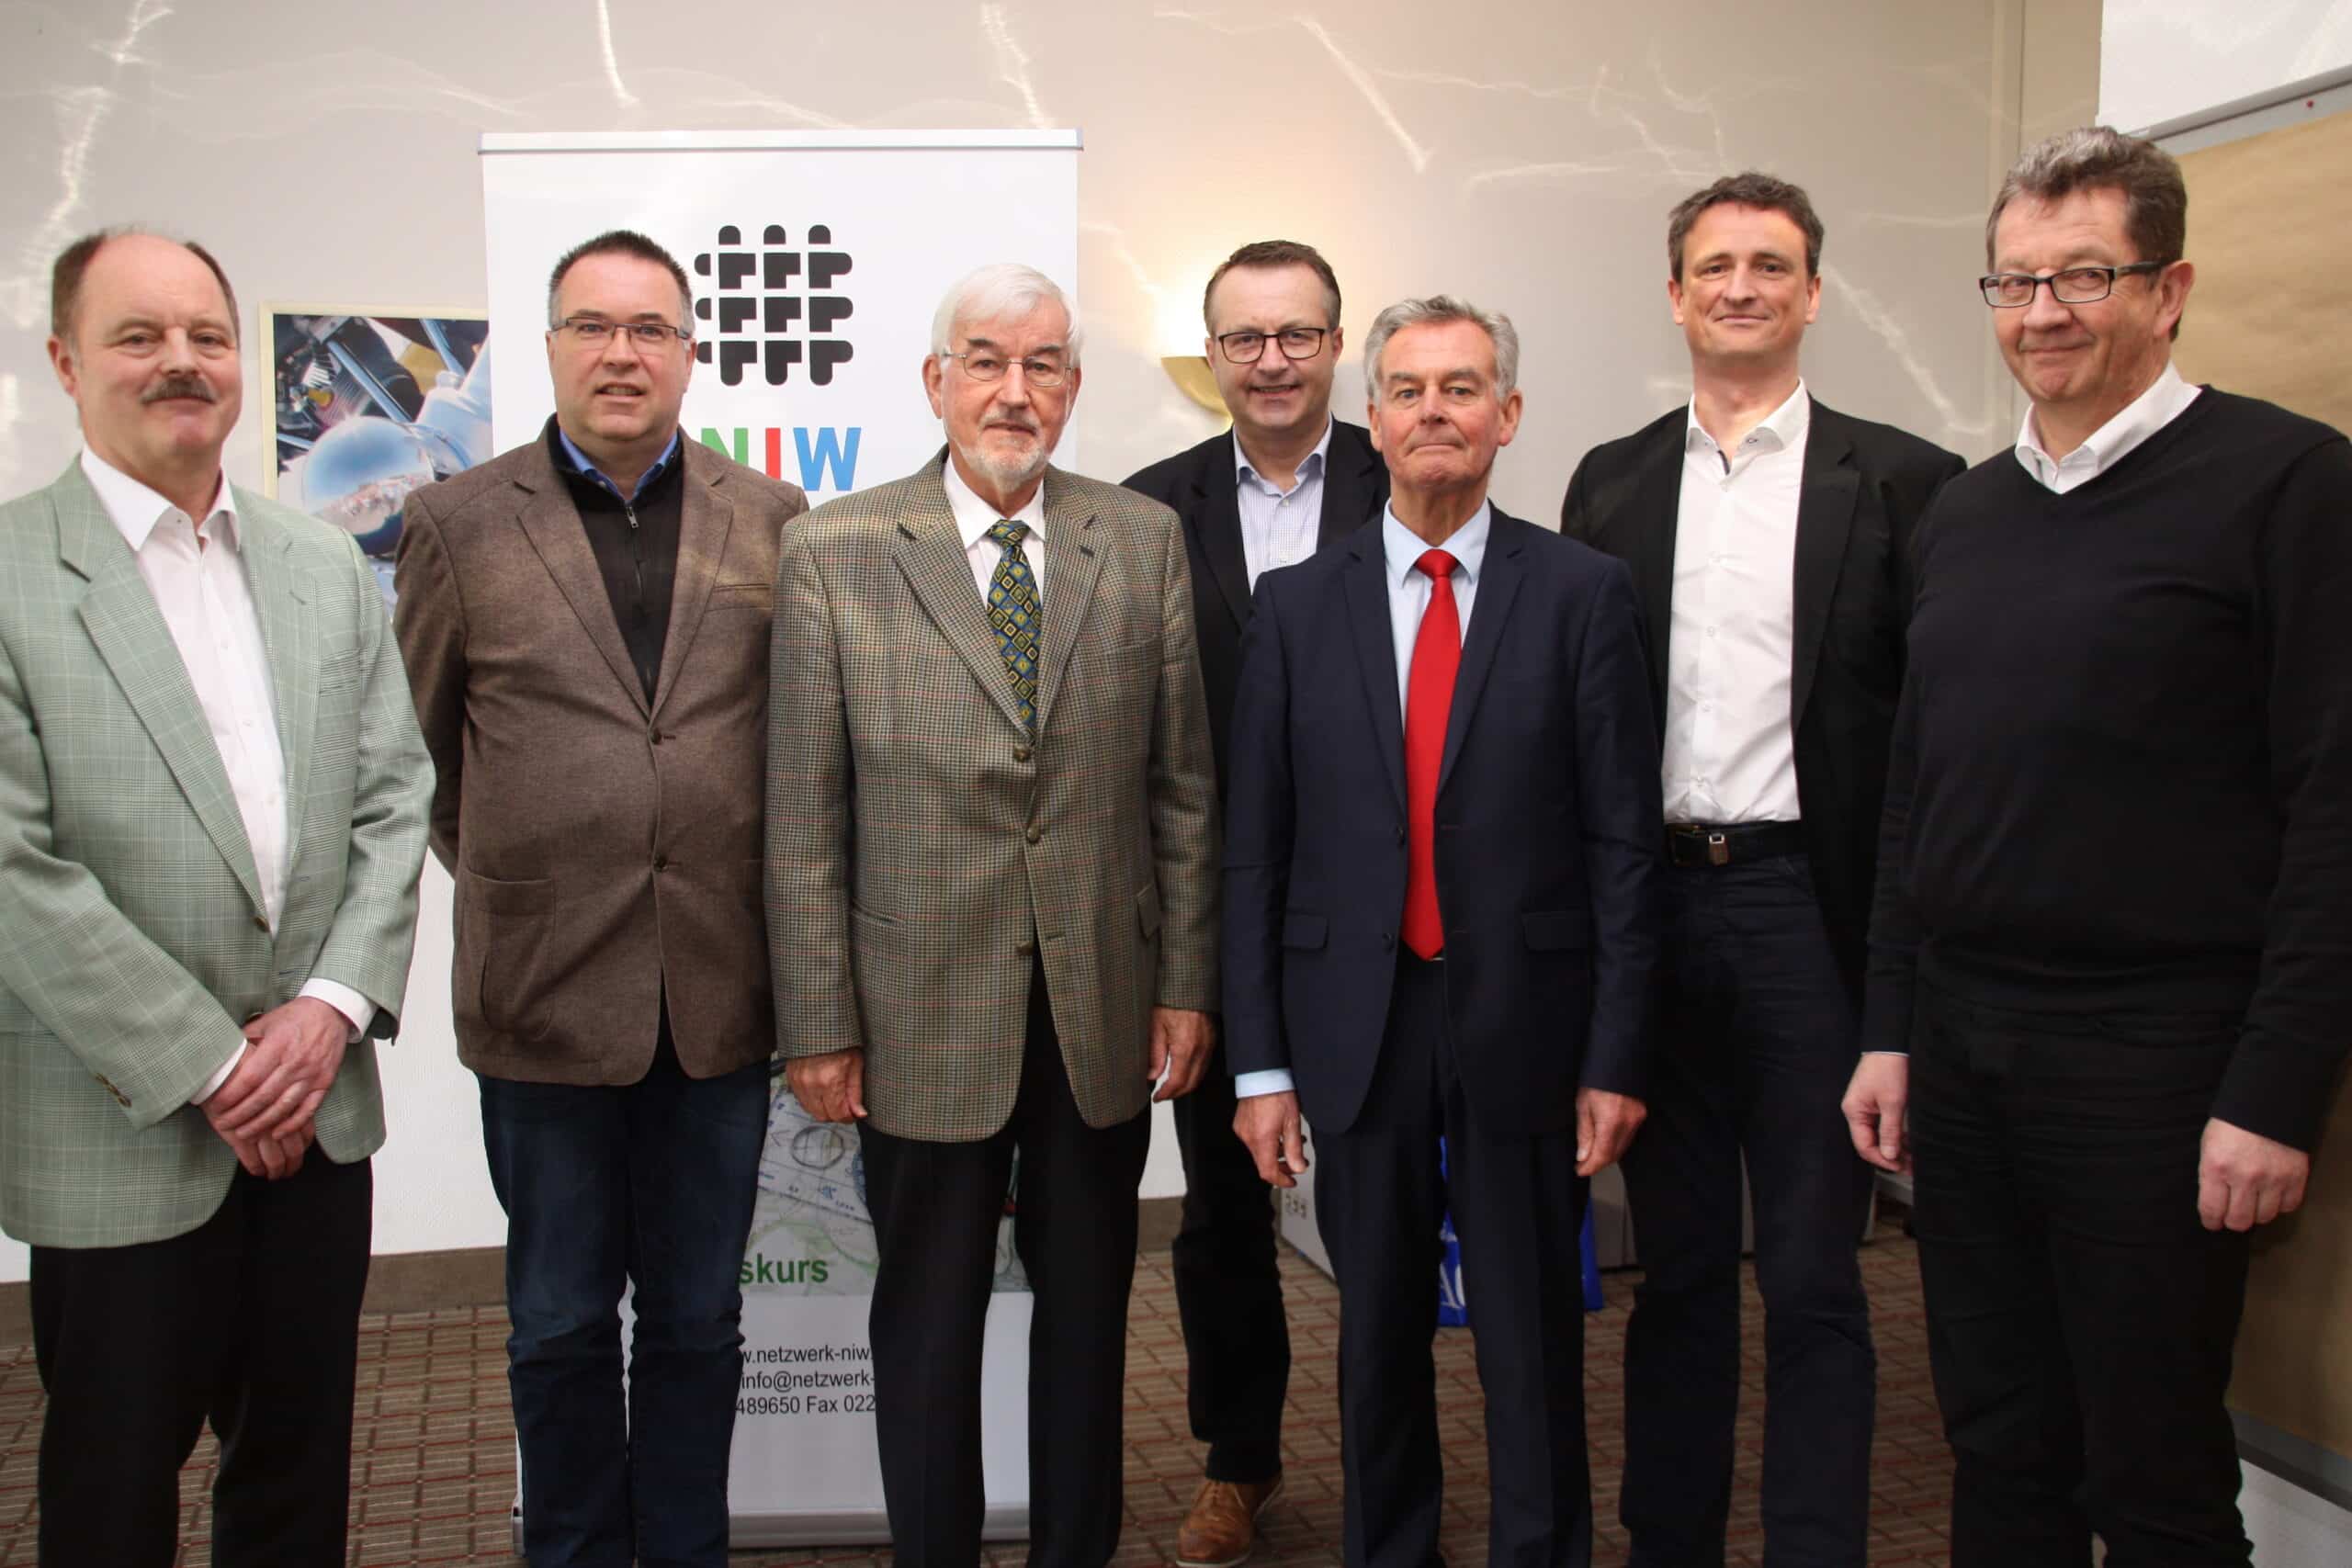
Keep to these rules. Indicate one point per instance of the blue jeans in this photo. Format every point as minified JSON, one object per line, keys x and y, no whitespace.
{"x":651,"y":1183}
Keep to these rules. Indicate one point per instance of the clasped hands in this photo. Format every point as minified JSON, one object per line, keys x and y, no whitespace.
{"x":263,"y":1109}
{"x":830,"y":1086}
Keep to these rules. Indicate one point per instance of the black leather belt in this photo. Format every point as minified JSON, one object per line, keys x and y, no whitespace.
{"x":1699,"y":843}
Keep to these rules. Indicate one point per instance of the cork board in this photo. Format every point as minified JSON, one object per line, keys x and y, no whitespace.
{"x":2269,"y":228}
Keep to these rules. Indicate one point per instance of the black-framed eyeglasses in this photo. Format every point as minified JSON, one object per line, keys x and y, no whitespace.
{"x":594,"y":332}
{"x":985,"y":364}
{"x":2068,"y":286}
{"x":1247,"y":348}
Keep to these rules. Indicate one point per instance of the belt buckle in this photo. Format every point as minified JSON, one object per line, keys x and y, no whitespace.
{"x":1718,"y":850}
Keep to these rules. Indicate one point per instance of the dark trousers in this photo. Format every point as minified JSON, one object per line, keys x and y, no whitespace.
{"x":1229,"y":1292}
{"x":252,"y":1321}
{"x":1518,"y":1212}
{"x":1756,"y":1038}
{"x":2080,"y":1319}
{"x":936,"y":1210}
{"x":606,"y":1186}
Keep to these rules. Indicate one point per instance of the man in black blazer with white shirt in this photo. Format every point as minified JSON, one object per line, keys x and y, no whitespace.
{"x":1288,"y":479}
{"x":1769,"y":542}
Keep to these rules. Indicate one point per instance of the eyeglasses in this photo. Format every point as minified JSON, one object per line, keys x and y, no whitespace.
{"x":981,"y":364}
{"x":593,"y":332}
{"x":1247,"y":348}
{"x":2071,"y":286}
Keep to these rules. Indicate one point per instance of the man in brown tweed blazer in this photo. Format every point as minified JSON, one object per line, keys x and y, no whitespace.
{"x":585,"y":620}
{"x":990,"y":879}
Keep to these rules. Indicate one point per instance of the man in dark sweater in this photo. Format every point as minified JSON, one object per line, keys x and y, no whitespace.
{"x":2112,"y":952}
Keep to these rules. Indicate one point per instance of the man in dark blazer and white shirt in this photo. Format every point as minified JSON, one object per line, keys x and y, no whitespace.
{"x":1769,"y":538}
{"x":1287,"y":481}
{"x":1440,"y":877}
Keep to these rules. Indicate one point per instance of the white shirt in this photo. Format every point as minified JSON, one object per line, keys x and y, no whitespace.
{"x":975,"y":517}
{"x":2166,"y":399}
{"x":208,"y":607}
{"x":1728,"y":754}
{"x":1279,"y":527}
{"x":1410,"y":589}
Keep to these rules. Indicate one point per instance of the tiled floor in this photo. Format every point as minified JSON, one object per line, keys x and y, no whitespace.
{"x":433,"y":1465}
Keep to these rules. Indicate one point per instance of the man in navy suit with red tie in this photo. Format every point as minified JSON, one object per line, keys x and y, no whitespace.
{"x":1442,"y":867}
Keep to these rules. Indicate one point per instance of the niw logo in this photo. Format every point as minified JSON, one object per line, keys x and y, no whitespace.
{"x":757,"y":306}
{"x":820,"y":450}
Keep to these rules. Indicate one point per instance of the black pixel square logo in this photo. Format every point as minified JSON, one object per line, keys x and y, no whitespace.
{"x":772,"y":305}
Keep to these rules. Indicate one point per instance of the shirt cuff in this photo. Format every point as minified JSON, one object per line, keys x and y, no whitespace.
{"x":1877,"y":1052}
{"x":357,"y":1009}
{"x":1272,"y":1080}
{"x":213,"y":1085}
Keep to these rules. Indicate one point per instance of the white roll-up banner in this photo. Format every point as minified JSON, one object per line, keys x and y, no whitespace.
{"x":817,"y":260}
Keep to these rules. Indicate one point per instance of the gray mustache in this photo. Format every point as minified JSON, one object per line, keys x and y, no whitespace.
{"x":180,"y":384}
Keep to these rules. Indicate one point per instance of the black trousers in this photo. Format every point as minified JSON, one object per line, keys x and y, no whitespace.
{"x":2080,"y":1319}
{"x":936,"y":1207}
{"x":1757,"y":1039}
{"x":252,"y":1321}
{"x":1519,"y":1212}
{"x":1228,"y":1291}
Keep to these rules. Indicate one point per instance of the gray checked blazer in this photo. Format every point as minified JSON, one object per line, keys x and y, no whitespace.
{"x":132,"y":941}
{"x":923,"y":849}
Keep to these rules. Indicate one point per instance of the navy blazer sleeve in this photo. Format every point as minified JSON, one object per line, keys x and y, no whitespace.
{"x":1258,"y":823}
{"x":1618,"y":796}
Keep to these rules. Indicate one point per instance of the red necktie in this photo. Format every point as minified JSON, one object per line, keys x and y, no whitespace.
{"x":1428,"y":699}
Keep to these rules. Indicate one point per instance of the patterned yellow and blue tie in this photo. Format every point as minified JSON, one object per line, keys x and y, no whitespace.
{"x":1014,"y":612}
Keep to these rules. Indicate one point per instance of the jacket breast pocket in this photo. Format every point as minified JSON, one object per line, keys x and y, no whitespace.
{"x":740,"y":596}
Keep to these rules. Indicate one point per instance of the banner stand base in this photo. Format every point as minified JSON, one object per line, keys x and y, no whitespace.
{"x":859,"y":1528}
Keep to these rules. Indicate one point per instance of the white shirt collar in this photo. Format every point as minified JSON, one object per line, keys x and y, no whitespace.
{"x":975,"y":517}
{"x":1779,"y":431}
{"x":1401,"y":548}
{"x":2167,"y":397}
{"x":134,"y":509}
{"x":1313,"y":463}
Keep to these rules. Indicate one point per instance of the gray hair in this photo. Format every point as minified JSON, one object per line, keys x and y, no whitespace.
{"x":1002,"y":290}
{"x":1438,"y":309}
{"x":2095,"y":157}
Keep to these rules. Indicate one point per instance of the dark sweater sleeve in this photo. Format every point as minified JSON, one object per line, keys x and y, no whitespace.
{"x":1890,"y":976}
{"x":2293,"y":1040}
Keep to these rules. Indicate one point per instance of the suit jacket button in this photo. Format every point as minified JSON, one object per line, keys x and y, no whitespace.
{"x":661,"y":862}
{"x":1388,"y":939}
{"x":1026,"y":947}
{"x":261,"y":924}
{"x":1033,"y":834}
{"x":1400,"y":832}
{"x":1020,"y":753}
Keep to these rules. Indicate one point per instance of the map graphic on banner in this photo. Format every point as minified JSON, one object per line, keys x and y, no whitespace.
{"x":811,"y":1235}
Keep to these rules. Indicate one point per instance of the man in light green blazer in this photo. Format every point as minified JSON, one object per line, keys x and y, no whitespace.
{"x":212,"y":814}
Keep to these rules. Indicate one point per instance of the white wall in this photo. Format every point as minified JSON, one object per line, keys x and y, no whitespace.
{"x":2163,"y":60}
{"x":1522,"y":154}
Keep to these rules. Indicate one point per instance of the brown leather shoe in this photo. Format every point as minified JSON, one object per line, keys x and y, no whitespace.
{"x":1222,"y":1529}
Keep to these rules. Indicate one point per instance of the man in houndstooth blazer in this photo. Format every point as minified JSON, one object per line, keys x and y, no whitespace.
{"x":212,"y":813}
{"x":989,"y":892}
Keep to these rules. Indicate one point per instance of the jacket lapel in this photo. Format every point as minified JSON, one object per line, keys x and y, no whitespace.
{"x":1218,"y":510}
{"x":1352,"y":495}
{"x":1656,"y":520}
{"x":931,"y":556}
{"x":1072,"y":567}
{"x":704,"y":519}
{"x":120,"y":613}
{"x":1825,"y":518}
{"x":290,"y":642}
{"x":552,"y":523}
{"x":1367,"y":590}
{"x":1497,"y":591}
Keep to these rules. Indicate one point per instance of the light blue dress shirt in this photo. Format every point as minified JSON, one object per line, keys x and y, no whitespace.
{"x":1279,"y":527}
{"x":580,"y":460}
{"x":1409,"y":597}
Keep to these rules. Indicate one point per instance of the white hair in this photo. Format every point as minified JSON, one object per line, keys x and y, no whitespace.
{"x":1440,"y":308}
{"x":1002,"y":290}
